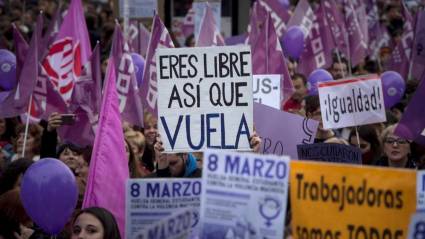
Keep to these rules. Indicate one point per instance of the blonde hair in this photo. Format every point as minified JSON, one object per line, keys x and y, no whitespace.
{"x":137,"y":137}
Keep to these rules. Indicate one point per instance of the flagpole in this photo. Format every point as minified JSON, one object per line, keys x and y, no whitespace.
{"x":26,"y":127}
{"x":126,"y":18}
{"x":338,"y":56}
{"x":267,"y":40}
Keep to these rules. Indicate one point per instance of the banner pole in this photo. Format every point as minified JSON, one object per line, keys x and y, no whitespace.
{"x":26,"y":127}
{"x":357,"y":136}
{"x":338,"y":56}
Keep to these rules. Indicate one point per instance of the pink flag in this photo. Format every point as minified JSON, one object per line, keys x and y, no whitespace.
{"x":208,"y":33}
{"x":69,"y":52}
{"x":130,"y":103}
{"x":85,"y":103}
{"x":138,"y":37}
{"x":402,"y":53}
{"x":160,"y":38}
{"x":188,"y":26}
{"x":108,"y":171}
{"x":16,"y":101}
{"x":356,"y":24}
{"x":268,"y":58}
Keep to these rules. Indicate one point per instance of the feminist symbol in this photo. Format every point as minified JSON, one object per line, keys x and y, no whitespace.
{"x":269,"y":209}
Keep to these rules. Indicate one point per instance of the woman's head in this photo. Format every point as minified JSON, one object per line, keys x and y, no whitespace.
{"x":395,"y":148}
{"x":151,"y":129}
{"x":11,"y":178}
{"x":95,"y":223}
{"x":72,"y":155}
{"x":33,"y":139}
{"x":369,"y":142}
{"x":137,"y":142}
{"x":7,"y":129}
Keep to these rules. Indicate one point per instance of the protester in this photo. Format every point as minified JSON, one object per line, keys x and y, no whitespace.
{"x":137,"y":143}
{"x":14,"y":221}
{"x":312,"y":110}
{"x":11,"y":178}
{"x":396,"y":150}
{"x":95,"y":223}
{"x":32,"y":147}
{"x":368,"y":143}
{"x":293,"y":104}
{"x":339,"y":68}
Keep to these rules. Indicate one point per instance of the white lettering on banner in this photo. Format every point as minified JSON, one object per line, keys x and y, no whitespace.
{"x":267,"y":90}
{"x":133,"y":32}
{"x":125,"y":70}
{"x":278,"y":23}
{"x":352,"y":102}
{"x":317,"y":45}
{"x":205,"y":99}
{"x":40,"y":93}
{"x":307,"y":22}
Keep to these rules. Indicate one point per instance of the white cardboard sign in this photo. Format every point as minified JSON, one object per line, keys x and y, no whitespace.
{"x":267,"y":90}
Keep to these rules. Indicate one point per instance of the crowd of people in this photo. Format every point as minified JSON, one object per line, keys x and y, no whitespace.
{"x":378,"y":143}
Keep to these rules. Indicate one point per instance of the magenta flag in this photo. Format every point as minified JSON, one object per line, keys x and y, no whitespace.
{"x":21,"y":50}
{"x":130,"y":103}
{"x":268,"y":58}
{"x":401,"y":54}
{"x":69,"y":52}
{"x":85,"y":103}
{"x":108,"y":171}
{"x":138,"y":37}
{"x":279,"y":13}
{"x":208,"y":33}
{"x":160,"y":38}
{"x":16,"y":101}
{"x":412,"y":123}
{"x":319,"y":44}
{"x":356,"y":23}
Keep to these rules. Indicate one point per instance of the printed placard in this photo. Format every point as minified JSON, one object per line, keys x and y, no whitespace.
{"x":267,"y":90}
{"x":417,"y":226}
{"x":139,"y":8}
{"x":150,"y":200}
{"x":176,"y":226}
{"x":335,"y":153}
{"x":352,"y":102}
{"x":420,"y":190}
{"x":205,"y":98}
{"x":350,"y":201}
{"x":243,"y":195}
{"x":281,"y":131}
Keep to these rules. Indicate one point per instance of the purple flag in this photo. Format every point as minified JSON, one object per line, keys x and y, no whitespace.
{"x":401,"y":55}
{"x":138,"y":37}
{"x":130,"y":104}
{"x":21,"y":50}
{"x":188,"y":26}
{"x":279,"y":15}
{"x":236,"y":40}
{"x":318,"y":44}
{"x":208,"y":33}
{"x":69,"y":52}
{"x":356,"y":23}
{"x":269,"y":126}
{"x":412,"y":123}
{"x":51,"y":32}
{"x":108,"y":171}
{"x":378,"y":34}
{"x":418,"y":54}
{"x":160,"y":38}
{"x":85,"y":103}
{"x":16,"y":102}
{"x":268,"y":58}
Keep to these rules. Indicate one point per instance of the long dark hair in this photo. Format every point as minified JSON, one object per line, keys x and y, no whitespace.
{"x":110,"y":226}
{"x":368,"y":133}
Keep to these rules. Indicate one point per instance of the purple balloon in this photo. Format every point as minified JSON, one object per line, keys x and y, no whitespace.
{"x":139,"y":64}
{"x":49,"y":194}
{"x":293,"y":42}
{"x":7,"y":70}
{"x":317,"y":76}
{"x":393,"y":87}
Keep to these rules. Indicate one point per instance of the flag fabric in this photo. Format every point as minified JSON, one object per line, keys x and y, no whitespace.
{"x":412,"y":123}
{"x":138,"y":37}
{"x":208,"y":33}
{"x":378,"y":34}
{"x":418,"y":54}
{"x":188,"y":26}
{"x":401,"y":54}
{"x":268,"y":58}
{"x":160,"y":38}
{"x":51,"y":32}
{"x":357,"y":32}
{"x":85,"y":103}
{"x":21,"y":49}
{"x":16,"y":102}
{"x":70,"y":50}
{"x":130,"y":104}
{"x":279,"y":13}
{"x":108,"y":170}
{"x":319,"y":44}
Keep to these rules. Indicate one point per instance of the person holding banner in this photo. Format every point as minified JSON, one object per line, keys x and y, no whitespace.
{"x":396,"y":150}
{"x":369,"y":144}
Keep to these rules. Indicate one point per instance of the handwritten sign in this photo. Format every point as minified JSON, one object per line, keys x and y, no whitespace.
{"x":150,"y":200}
{"x":267,"y":90}
{"x":205,"y":99}
{"x":350,"y":201}
{"x":352,"y":102}
{"x":243,"y":195}
{"x":336,"y":153}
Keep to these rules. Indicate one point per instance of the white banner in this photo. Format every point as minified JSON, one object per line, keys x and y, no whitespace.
{"x":352,"y":102}
{"x":205,"y":98}
{"x":150,"y":200}
{"x":243,"y":195}
{"x":267,"y":90}
{"x":417,"y":226}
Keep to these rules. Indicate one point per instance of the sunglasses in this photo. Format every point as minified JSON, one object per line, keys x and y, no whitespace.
{"x":399,"y":141}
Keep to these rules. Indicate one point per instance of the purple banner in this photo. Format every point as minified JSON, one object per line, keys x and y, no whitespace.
{"x":279,"y":14}
{"x":282,"y":138}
